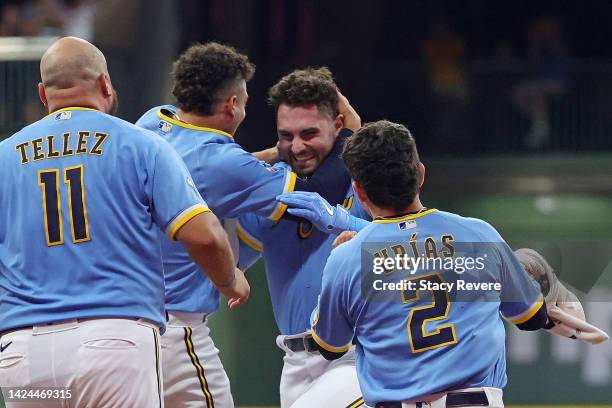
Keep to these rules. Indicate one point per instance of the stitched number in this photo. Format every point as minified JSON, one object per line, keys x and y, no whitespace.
{"x":48,"y":180}
{"x":73,"y":177}
{"x":420,"y":339}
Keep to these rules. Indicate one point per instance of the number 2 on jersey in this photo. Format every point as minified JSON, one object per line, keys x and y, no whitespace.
{"x":49,"y":181}
{"x":445,"y":335}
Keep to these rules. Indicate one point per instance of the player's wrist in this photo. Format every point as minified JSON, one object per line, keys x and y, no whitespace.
{"x":229,"y":283}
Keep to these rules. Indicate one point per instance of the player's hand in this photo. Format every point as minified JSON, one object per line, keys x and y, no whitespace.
{"x":350,"y":116}
{"x":314,"y":208}
{"x":563,"y":307}
{"x":237,"y":291}
{"x":270,"y":156}
{"x":343,"y":237}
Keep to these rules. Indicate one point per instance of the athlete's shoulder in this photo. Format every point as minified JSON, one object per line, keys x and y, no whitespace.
{"x":281,"y":165}
{"x":152,"y":118}
{"x":137,"y":134}
{"x":476,"y":226}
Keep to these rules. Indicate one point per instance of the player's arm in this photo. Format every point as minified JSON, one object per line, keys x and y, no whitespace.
{"x":207,"y":244}
{"x":332,"y":328}
{"x":180,"y":210}
{"x":521,"y":300}
{"x":269,"y":156}
{"x":237,"y":183}
{"x":350,"y":117}
{"x":566,"y":314}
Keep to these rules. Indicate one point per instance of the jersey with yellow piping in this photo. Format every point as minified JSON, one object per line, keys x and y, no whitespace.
{"x":233,"y":181}
{"x":418,"y":339}
{"x":294,"y":254}
{"x":83,"y":197}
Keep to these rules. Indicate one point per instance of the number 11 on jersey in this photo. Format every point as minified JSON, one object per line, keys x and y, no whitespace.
{"x":49,"y":181}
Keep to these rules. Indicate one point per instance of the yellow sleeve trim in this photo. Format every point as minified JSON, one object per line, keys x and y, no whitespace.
{"x":183,"y":217}
{"x":525,"y":316}
{"x":327,"y":347}
{"x":248,"y":238}
{"x":280,"y":208}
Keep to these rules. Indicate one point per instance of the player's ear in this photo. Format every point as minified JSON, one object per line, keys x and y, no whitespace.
{"x":361,"y":194}
{"x":230,"y":105}
{"x":106,"y":87}
{"x":421,"y":174}
{"x":42,"y":94}
{"x":363,"y":197}
{"x":339,"y":122}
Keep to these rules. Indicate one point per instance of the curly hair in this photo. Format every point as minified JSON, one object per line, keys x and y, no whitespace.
{"x":204,"y":71}
{"x":382,"y":158}
{"x":306,"y":87}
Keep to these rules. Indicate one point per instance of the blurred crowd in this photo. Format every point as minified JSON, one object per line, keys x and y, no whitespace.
{"x":547,"y":75}
{"x":29,"y":18}
{"x":473,"y":76}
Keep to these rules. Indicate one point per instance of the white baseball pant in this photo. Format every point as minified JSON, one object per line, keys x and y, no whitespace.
{"x":103,"y":362}
{"x":494,"y":396}
{"x":309,"y":380}
{"x":193,"y":373}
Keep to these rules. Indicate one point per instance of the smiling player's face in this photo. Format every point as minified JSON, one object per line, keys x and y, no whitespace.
{"x":306,"y":136}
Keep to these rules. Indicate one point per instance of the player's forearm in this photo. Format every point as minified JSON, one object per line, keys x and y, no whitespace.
{"x":269,"y":156}
{"x":350,"y":116}
{"x":216,"y":260}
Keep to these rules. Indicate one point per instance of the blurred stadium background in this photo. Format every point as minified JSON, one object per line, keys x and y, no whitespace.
{"x":510,"y":104}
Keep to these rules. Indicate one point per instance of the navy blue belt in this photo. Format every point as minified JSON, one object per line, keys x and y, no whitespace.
{"x":453,"y":399}
{"x":305,"y":343}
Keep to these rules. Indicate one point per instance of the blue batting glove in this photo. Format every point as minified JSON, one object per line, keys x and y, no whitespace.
{"x":314,"y":208}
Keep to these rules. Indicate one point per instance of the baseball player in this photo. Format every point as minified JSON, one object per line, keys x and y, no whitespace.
{"x":210,"y":88}
{"x":83,"y":195}
{"x":414,"y":339}
{"x":295,"y":252}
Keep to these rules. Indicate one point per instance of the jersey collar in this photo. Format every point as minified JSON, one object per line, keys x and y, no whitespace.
{"x":388,"y":220}
{"x":188,"y":126}
{"x":71,"y":108}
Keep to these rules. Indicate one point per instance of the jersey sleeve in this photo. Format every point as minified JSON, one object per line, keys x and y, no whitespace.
{"x":251,"y":247}
{"x":332,"y":328}
{"x":521,"y":298}
{"x":236,"y":183}
{"x":174,"y":197}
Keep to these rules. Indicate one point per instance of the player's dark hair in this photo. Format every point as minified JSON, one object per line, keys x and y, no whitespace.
{"x":310,"y":86}
{"x":203,"y":73}
{"x":382,"y":158}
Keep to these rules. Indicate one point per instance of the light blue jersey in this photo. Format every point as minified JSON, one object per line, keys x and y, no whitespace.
{"x":233,"y":181}
{"x":416,"y":338}
{"x":83,"y":197}
{"x":294,"y":254}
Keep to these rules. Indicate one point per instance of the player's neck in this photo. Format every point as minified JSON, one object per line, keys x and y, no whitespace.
{"x":213,"y":121}
{"x":379,"y":212}
{"x":82,"y":102}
